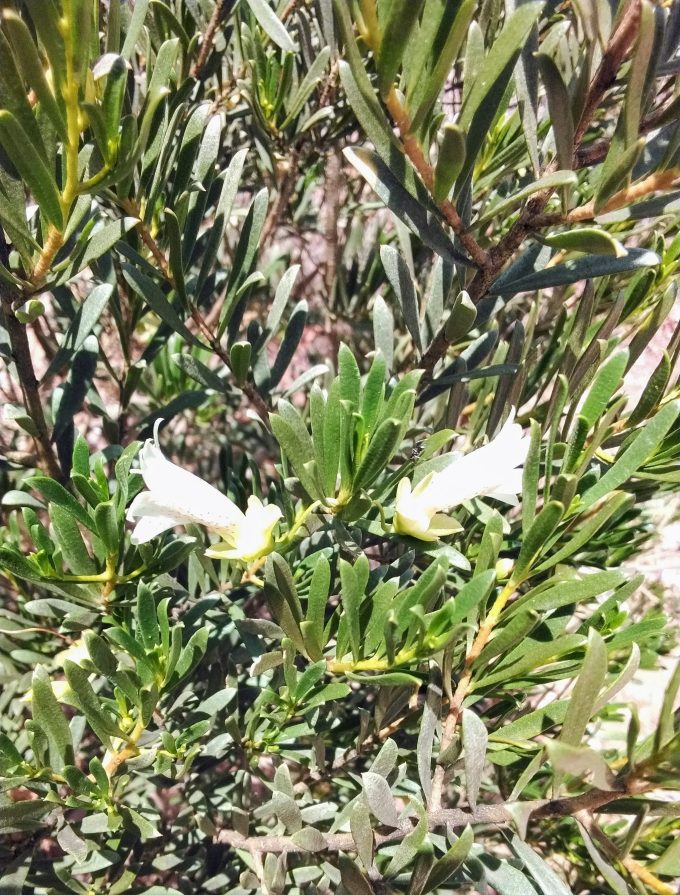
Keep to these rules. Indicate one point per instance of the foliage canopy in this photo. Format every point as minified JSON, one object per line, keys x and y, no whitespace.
{"x":317,"y":249}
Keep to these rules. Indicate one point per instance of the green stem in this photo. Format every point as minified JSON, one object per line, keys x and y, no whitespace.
{"x":298,"y":523}
{"x":130,"y":750}
{"x":404,"y":657}
{"x":107,"y":577}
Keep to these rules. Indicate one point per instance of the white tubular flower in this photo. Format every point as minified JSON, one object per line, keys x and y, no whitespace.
{"x":178,"y":497}
{"x":494,"y":470}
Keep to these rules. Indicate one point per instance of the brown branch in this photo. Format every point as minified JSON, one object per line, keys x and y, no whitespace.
{"x":248,"y":389}
{"x":454,"y":818}
{"x":414,"y":151}
{"x":221,"y":11}
{"x":334,"y":180}
{"x":619,"y":45}
{"x":657,"y":182}
{"x":289,"y":10}
{"x":288,"y":171}
{"x":462,"y":688}
{"x":147,"y":238}
{"x":593,"y":153}
{"x":21,"y":353}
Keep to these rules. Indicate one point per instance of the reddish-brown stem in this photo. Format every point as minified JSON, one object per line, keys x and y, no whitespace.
{"x":415,"y":153}
{"x":221,"y":11}
{"x":619,"y":45}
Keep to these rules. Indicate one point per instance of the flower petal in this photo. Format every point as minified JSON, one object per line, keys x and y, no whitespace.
{"x":150,"y":527}
{"x":486,"y":472}
{"x":183,"y":495}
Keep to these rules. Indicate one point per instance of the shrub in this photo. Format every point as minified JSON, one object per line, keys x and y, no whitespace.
{"x":337,"y":303}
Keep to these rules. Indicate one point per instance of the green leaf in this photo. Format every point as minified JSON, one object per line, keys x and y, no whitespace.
{"x":55,"y":493}
{"x":31,"y":167}
{"x":373,"y":395}
{"x":618,"y":502}
{"x":653,"y":392}
{"x":634,"y":456}
{"x":70,"y":541}
{"x":90,"y":704}
{"x":85,"y":319}
{"x":309,"y":82}
{"x":191,"y":654}
{"x":12,"y":561}
{"x":586,"y":690}
{"x":616,"y":172}
{"x":278,"y":574}
{"x":239,"y":360}
{"x":100,"y":654}
{"x":489,"y":94}
{"x":532,"y":724}
{"x":566,"y":593}
{"x":225,"y":204}
{"x":72,"y":844}
{"x":451,"y":861}
{"x":401,"y":20}
{"x":298,"y":449}
{"x":359,"y":89}
{"x":45,"y":17}
{"x":362,"y":833}
{"x":147,"y":618}
{"x":380,"y":799}
{"x":159,"y":303}
{"x":420,"y":215}
{"x":575,"y":270}
{"x":535,"y":654}
{"x":579,"y":761}
{"x":548,"y":181}
{"x":13,"y":98}
{"x":20,"y":817}
{"x":383,"y":330}
{"x":380,"y":451}
{"x":535,"y":538}
{"x":350,"y":377}
{"x":449,"y":161}
{"x":606,"y":382}
{"x":405,"y":289}
{"x":530,"y":477}
{"x":291,"y":339}
{"x":112,"y":102}
{"x":174,"y":237}
{"x":97,"y":244}
{"x":589,"y":240}
{"x":559,"y":107}
{"x":329,"y":693}
{"x":30,"y":66}
{"x":431,"y":86}
{"x":352,"y":878}
{"x":198,"y":371}
{"x":475,"y":739}
{"x":352,"y":595}
{"x":668,"y":864}
{"x":461,"y":319}
{"x":317,"y":599}
{"x":472,"y":594}
{"x":271,"y":25}
{"x":48,"y":714}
